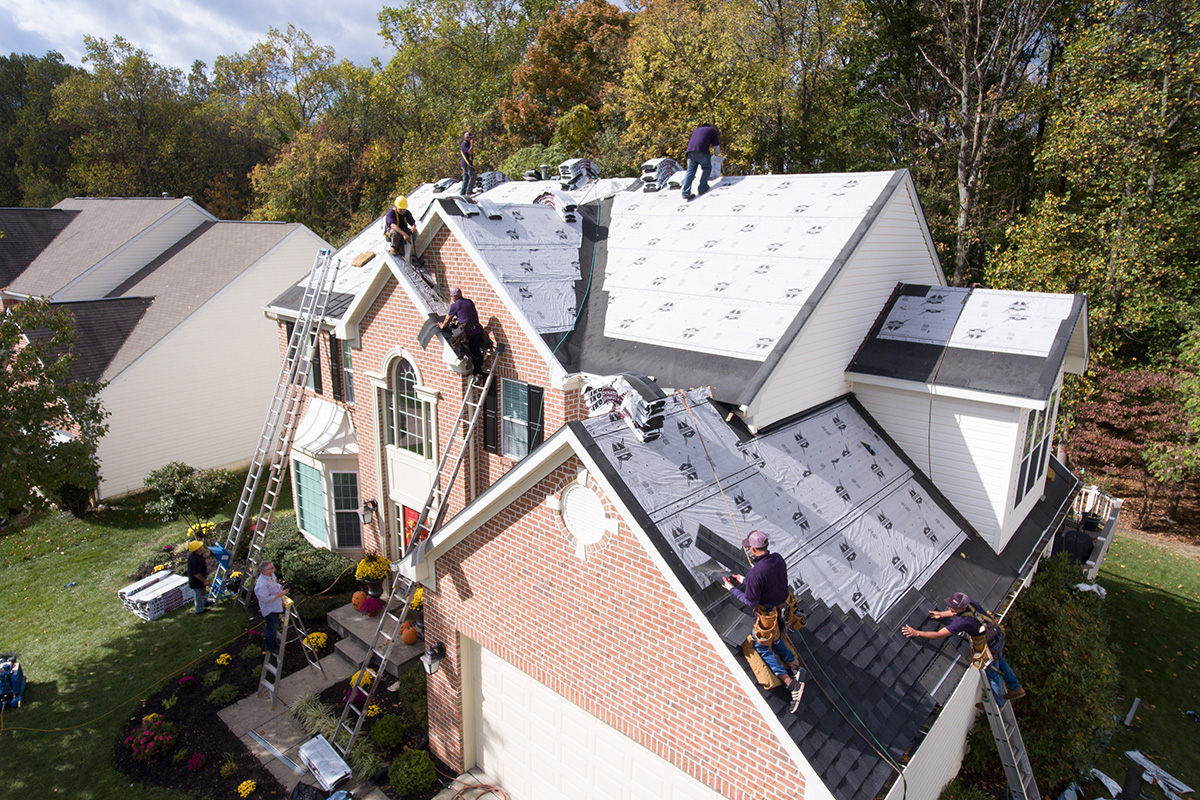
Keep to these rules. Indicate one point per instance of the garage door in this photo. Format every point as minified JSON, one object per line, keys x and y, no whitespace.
{"x":539,"y":746}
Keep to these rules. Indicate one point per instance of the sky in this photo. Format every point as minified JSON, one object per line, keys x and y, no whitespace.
{"x":177,"y":32}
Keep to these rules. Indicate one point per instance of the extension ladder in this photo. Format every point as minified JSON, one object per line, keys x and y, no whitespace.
{"x":400,"y":596}
{"x":272,"y":668}
{"x":1021,"y":784}
{"x":275,"y":442}
{"x":461,"y":436}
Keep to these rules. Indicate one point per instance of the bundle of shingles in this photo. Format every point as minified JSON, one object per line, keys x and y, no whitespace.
{"x":634,"y":397}
{"x":577,"y":172}
{"x":656,"y":172}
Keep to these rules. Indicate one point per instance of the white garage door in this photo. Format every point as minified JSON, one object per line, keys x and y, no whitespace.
{"x":539,"y":746}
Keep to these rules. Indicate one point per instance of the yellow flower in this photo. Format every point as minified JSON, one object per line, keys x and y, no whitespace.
{"x":246,"y":788}
{"x":150,"y":718}
{"x":364,"y":682}
{"x":372,"y":568}
{"x":224,"y":659}
{"x":374,"y":710}
{"x":316,"y":640}
{"x":418,"y":599}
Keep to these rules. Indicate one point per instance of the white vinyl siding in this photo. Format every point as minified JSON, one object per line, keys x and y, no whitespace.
{"x":812,"y":370}
{"x":135,"y":254}
{"x":940,"y":754}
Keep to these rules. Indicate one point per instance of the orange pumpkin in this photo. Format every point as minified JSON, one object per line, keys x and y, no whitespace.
{"x":409,"y":636}
{"x":357,"y":598}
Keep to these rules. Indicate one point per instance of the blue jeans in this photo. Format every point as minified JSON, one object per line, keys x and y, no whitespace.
{"x":776,"y":656}
{"x":697,"y":159}
{"x":468,"y":178}
{"x":199,"y":592}
{"x":272,"y":627}
{"x":1000,"y":674}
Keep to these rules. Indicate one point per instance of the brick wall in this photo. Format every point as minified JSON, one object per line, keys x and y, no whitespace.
{"x":629,"y":653}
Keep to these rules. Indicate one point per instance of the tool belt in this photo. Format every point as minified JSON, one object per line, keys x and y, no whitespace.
{"x":795,"y":615}
{"x":766,"y":625}
{"x":981,"y":654}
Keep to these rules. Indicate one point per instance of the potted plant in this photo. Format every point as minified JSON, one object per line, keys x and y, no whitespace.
{"x":372,"y":571}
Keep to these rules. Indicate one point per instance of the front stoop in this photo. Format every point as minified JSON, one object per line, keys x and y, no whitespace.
{"x":357,"y":630}
{"x":254,"y":713}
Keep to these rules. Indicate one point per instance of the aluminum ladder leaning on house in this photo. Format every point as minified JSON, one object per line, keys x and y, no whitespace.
{"x":1021,"y":784}
{"x":272,"y":668}
{"x":400,"y":595}
{"x":270,"y":457}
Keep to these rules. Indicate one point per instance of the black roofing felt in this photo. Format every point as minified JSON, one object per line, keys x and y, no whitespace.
{"x":101,"y":328}
{"x":27,"y":232}
{"x":1010,"y":374}
{"x":338,"y":303}
{"x":871,"y":692}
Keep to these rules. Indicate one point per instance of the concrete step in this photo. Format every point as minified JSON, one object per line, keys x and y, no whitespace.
{"x":357,"y":630}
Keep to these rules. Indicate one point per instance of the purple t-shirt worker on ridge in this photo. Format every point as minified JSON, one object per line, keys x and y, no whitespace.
{"x":699,"y":154}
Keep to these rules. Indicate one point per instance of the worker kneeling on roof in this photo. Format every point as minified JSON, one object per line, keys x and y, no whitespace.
{"x":765,"y":589}
{"x":399,"y":227}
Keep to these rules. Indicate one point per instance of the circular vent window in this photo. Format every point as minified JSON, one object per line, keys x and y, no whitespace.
{"x":583,"y":514}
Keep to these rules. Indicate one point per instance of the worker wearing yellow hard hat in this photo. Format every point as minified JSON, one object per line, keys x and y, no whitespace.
{"x":400,"y":228}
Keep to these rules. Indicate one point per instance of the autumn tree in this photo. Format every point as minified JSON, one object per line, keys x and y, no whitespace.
{"x":50,"y":423}
{"x":34,"y":149}
{"x":577,"y":57}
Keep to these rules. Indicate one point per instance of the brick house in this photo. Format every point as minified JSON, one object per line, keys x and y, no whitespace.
{"x":591,"y":651}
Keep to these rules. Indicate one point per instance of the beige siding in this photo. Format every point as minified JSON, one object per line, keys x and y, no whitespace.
{"x":968,"y":451}
{"x":200,"y":395}
{"x":140,"y":251}
{"x":812,"y":371}
{"x":940,"y":755}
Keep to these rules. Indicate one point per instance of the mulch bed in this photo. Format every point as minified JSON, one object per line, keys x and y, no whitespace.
{"x":200,"y":730}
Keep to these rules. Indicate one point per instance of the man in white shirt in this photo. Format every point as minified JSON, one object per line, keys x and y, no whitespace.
{"x":270,"y":601}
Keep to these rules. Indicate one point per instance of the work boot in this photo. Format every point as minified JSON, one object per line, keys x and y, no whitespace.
{"x":1014,"y":694}
{"x":797,"y":690}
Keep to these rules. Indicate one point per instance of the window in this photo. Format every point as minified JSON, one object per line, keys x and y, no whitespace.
{"x":310,"y":501}
{"x":314,"y":373}
{"x":1035,"y":450}
{"x":346,"y":521}
{"x":519,"y":412}
{"x":341,"y":370}
{"x":406,"y":417}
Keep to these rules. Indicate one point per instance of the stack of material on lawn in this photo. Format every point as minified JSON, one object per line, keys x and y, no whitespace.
{"x":155,"y":595}
{"x":12,"y":681}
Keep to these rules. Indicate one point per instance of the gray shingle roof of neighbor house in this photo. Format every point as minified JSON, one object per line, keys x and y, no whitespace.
{"x":871,"y":546}
{"x":980,"y":340}
{"x":27,"y":232}
{"x":101,"y":227}
{"x":101,"y":329}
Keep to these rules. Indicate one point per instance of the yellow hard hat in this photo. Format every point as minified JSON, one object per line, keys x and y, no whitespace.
{"x":194,"y":545}
{"x":401,"y":202}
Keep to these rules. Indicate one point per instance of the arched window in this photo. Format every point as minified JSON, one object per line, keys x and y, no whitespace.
{"x":406,"y":417}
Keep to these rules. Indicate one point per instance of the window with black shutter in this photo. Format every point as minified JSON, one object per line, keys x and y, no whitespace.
{"x":491,"y":420}
{"x":335,"y":368}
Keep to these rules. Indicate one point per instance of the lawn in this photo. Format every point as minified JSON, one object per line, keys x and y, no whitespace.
{"x":1154,"y":608}
{"x":88,"y":660}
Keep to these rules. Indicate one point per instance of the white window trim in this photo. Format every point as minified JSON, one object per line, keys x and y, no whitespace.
{"x":333,"y":510}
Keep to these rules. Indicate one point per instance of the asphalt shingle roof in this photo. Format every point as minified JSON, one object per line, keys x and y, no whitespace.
{"x":27,"y":232}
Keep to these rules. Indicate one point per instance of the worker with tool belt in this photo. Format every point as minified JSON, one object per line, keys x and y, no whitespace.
{"x":765,"y":589}
{"x":987,"y":642}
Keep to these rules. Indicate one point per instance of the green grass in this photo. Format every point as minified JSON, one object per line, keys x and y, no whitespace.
{"x":88,"y":660}
{"x":1154,"y":608}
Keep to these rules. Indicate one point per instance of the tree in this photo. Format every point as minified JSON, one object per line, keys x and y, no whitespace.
{"x":50,"y":424}
{"x":193,"y":494}
{"x":577,"y":57}
{"x":34,"y":150}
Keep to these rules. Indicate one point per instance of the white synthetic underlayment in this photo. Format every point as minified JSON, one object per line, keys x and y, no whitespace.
{"x":855,"y":526}
{"x":728,"y":272}
{"x":1022,"y":323}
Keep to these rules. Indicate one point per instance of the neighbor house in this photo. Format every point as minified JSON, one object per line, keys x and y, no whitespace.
{"x":167,"y":304}
{"x":780,"y":354}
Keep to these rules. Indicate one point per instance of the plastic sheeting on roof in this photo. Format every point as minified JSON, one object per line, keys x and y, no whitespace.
{"x":856,"y":526}
{"x":728,"y":272}
{"x":1023,"y":323}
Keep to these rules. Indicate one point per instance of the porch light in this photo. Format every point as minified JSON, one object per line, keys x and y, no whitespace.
{"x":433,"y":658}
{"x":368,"y":511}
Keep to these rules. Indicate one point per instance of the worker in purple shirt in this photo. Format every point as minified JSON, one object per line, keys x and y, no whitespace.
{"x":699,"y":154}
{"x":463,"y":310}
{"x":467,"y":162}
{"x":765,"y":589}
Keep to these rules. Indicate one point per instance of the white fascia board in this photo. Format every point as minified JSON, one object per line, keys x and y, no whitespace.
{"x":555,"y":372}
{"x":551,"y":454}
{"x":187,"y":201}
{"x":990,"y":398}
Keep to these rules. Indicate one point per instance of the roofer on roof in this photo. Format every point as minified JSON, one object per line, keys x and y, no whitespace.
{"x":765,"y":589}
{"x":467,"y":162}
{"x":399,"y":227}
{"x":463,"y":310}
{"x":699,"y":154}
{"x":974,"y":621}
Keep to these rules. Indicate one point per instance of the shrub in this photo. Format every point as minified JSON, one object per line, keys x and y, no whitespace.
{"x":155,"y":737}
{"x":284,"y":538}
{"x":170,"y":702}
{"x":251,"y":652}
{"x":256,"y":673}
{"x":364,"y":759}
{"x":412,"y":772}
{"x":210,"y":678}
{"x":412,"y":695}
{"x":228,"y":766}
{"x":223,"y":695}
{"x":389,"y":731}
{"x":312,"y":570}
{"x":954,"y":791}
{"x":194,"y":494}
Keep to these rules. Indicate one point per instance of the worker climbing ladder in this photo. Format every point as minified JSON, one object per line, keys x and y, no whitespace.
{"x":275,"y":442}
{"x":272,"y":668}
{"x":399,"y":601}
{"x":1021,"y":784}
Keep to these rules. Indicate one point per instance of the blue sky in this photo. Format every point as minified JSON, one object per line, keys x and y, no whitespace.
{"x":178,"y":32}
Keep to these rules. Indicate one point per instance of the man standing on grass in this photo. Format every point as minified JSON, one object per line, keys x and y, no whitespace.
{"x":270,"y":601}
{"x":197,"y":572}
